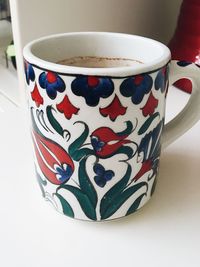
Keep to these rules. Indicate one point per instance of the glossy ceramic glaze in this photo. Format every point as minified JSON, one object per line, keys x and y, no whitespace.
{"x":97,"y":131}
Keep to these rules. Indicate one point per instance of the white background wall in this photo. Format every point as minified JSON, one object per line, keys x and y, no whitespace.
{"x":34,"y":18}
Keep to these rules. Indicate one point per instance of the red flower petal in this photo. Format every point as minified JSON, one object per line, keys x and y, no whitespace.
{"x":184,"y":84}
{"x":109,"y":150}
{"x":48,"y":155}
{"x":146,"y":166}
{"x":67,"y":108}
{"x":49,"y":174}
{"x":92,"y":81}
{"x":36,"y":96}
{"x":106,"y":134}
{"x":114,"y":109}
{"x":138,"y":79}
{"x":150,"y":105}
{"x":112,"y":141}
{"x":51,"y":77}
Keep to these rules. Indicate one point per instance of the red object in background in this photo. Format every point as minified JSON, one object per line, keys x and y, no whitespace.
{"x":185,"y":44}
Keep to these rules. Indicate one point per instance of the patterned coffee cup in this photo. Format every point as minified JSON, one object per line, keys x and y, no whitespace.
{"x":98,"y":132}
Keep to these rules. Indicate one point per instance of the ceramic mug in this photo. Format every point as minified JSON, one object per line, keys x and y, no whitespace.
{"x":97,"y":132}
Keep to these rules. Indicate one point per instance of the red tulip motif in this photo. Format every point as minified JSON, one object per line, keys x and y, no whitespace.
{"x":106,"y":142}
{"x":53,"y":160}
{"x":150,"y":105}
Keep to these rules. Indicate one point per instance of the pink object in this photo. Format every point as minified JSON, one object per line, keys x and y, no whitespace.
{"x":185,"y":44}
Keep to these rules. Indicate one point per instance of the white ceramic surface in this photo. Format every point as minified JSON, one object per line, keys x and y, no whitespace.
{"x":107,"y":165}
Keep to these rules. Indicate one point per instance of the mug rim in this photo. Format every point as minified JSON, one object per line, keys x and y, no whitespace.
{"x":122,"y":71}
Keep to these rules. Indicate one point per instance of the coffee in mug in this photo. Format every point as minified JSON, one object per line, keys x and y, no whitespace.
{"x":98,"y":62}
{"x":98,"y":121}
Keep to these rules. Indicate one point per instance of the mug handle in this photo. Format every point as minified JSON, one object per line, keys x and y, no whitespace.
{"x":191,"y":112}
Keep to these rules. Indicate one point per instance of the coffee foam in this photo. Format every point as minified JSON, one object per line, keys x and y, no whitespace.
{"x":99,"y":62}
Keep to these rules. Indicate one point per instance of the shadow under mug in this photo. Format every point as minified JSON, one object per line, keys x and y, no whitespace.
{"x":98,"y":132}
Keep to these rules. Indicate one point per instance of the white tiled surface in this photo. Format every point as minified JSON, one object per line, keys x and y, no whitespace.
{"x":165,"y":232}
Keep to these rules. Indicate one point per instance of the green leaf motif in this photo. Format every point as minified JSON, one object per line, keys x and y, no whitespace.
{"x":85,"y":183}
{"x":67,"y":209}
{"x":128,"y":130}
{"x":135,"y":204}
{"x":128,"y":151}
{"x":83,"y":200}
{"x":74,"y":151}
{"x":83,"y":152}
{"x":147,"y":123}
{"x":114,"y":191}
{"x":54,"y":123}
{"x":34,"y":125}
{"x":121,"y":199}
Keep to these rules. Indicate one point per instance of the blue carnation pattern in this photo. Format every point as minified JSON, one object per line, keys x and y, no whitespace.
{"x":136,"y":87}
{"x":92,"y":88}
{"x":52,"y":83}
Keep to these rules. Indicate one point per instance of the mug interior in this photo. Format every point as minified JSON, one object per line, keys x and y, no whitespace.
{"x":47,"y":51}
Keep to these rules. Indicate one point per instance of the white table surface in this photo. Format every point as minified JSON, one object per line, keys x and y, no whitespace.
{"x":166,"y":232}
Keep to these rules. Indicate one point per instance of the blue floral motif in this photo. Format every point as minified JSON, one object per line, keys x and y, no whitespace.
{"x":183,"y":63}
{"x":52,"y":83}
{"x":97,"y":143}
{"x":161,"y":79}
{"x":63,"y":173}
{"x":102,"y":176}
{"x":92,"y":88}
{"x":151,"y":146}
{"x":29,"y":72}
{"x":136,"y":87}
{"x":150,"y":143}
